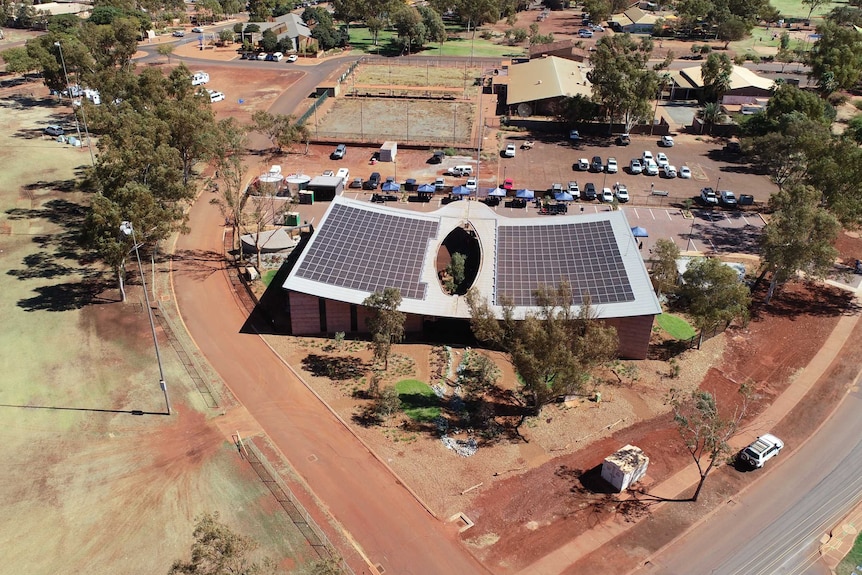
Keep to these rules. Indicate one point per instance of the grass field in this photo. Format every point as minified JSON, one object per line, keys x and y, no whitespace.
{"x":360,"y":39}
{"x":96,"y":478}
{"x":796,"y":9}
{"x":418,"y":400}
{"x":675,"y":326}
{"x":854,"y":558}
{"x":762,"y":38}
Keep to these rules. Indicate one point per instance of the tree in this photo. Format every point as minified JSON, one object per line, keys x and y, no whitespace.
{"x":385,"y":322}
{"x":281,"y":129}
{"x":836,"y":58}
{"x":710,"y":114}
{"x":228,"y":153}
{"x":814,"y":5}
{"x":854,"y":129}
{"x":226,"y":35}
{"x":732,"y":29}
{"x":621,"y":81}
{"x":166,"y":50}
{"x":269,"y":40}
{"x":435,"y":29}
{"x":455,"y":273}
{"x":474,"y":13}
{"x":411,"y":29}
{"x":18,"y":61}
{"x":716,"y":71}
{"x":217,"y":550}
{"x":799,"y":237}
{"x":664,"y":273}
{"x":554,"y":349}
{"x":704,"y":429}
{"x":575,"y":109}
{"x":714,"y":294}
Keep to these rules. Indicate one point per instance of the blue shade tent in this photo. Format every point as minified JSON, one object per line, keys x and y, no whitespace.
{"x":563,"y":197}
{"x":525,"y":194}
{"x":391,"y":187}
{"x":426,"y":189}
{"x":640,"y":232}
{"x":497,"y":192}
{"x":461,"y":191}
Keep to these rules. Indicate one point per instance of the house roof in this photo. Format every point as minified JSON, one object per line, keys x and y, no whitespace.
{"x":293,"y":24}
{"x":739,"y":78}
{"x":360,"y":247}
{"x":544,"y":78}
{"x":634,"y":16}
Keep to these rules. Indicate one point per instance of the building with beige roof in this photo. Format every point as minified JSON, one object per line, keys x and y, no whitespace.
{"x":539,"y":84}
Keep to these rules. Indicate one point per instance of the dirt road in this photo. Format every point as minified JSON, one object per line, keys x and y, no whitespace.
{"x":394,"y":531}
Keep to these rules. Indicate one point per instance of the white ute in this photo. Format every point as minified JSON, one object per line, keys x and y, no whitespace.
{"x":762,"y":450}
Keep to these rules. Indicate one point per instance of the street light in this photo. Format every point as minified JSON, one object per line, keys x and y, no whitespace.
{"x":83,"y":114}
{"x":127,"y":229}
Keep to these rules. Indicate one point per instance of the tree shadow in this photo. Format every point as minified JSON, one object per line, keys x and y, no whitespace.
{"x":335,"y":368}
{"x":67,"y":296}
{"x":815,"y":299}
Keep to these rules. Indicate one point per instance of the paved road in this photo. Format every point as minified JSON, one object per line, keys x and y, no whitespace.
{"x":388,"y":523}
{"x":774,"y":528}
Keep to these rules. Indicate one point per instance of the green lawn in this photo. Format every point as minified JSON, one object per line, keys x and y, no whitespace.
{"x":796,"y":9}
{"x":418,"y":400}
{"x":268,"y":276}
{"x":761,"y":37}
{"x":360,"y":39}
{"x":854,"y":558}
{"x":676,"y":326}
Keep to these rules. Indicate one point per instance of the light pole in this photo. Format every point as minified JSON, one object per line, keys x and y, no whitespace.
{"x":83,"y":114}
{"x":127,"y":229}
{"x":717,"y":184}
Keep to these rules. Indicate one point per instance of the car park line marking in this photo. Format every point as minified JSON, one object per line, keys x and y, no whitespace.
{"x":746,"y":221}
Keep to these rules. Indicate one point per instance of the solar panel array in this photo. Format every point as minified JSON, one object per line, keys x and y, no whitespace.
{"x":367,"y":250}
{"x":585,"y":254}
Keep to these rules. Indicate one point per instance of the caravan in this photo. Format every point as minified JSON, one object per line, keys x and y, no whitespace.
{"x":200,"y":78}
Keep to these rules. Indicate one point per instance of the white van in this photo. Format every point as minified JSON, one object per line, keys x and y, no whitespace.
{"x":344,"y":174}
{"x":200,"y":78}
{"x":461,"y":171}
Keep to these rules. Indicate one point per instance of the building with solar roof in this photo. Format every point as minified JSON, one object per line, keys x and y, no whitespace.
{"x":359,"y":248}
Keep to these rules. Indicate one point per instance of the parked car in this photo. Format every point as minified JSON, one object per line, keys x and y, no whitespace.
{"x":339,"y":152}
{"x":684,"y":172}
{"x":328,"y":174}
{"x":292,"y":58}
{"x":215,"y":96}
{"x":277,"y":56}
{"x":574,"y":135}
{"x":621,"y":192}
{"x":635,"y":166}
{"x":646,"y":156}
{"x":197,"y":30}
{"x":597,"y":164}
{"x":471,"y":184}
{"x":589,"y":191}
{"x":651,"y":168}
{"x":623,"y":140}
{"x":556,"y":188}
{"x":179,"y":33}
{"x":574,"y":189}
{"x":597,"y":28}
{"x":439,"y":184}
{"x":585,"y":33}
{"x":508,"y":184}
{"x":437,"y":157}
{"x":667,"y":141}
{"x":509,"y":152}
{"x":661,"y":159}
{"x":727,"y":198}
{"x":612,"y":166}
{"x":262,"y":55}
{"x":668,"y":171}
{"x":373,"y":181}
{"x":583,"y":165}
{"x":356,"y":183}
{"x":761,"y":450}
{"x":55,"y":130}
{"x":606,"y":196}
{"x":708,"y":197}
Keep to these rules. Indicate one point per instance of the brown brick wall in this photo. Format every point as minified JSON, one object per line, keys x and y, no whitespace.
{"x":634,"y":333}
{"x":337,"y":316}
{"x":304,"y":314}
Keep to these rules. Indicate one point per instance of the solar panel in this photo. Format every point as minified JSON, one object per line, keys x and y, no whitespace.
{"x":366,"y":250}
{"x":584,"y":253}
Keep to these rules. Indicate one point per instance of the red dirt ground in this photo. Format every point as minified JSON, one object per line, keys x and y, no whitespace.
{"x":539,"y":511}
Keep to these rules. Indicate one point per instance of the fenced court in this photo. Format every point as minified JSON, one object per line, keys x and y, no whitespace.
{"x":404,"y":120}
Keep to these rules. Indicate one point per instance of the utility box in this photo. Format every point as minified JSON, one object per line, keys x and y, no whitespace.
{"x":306,"y":198}
{"x":388,"y":151}
{"x":626,"y":466}
{"x":291,"y":219}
